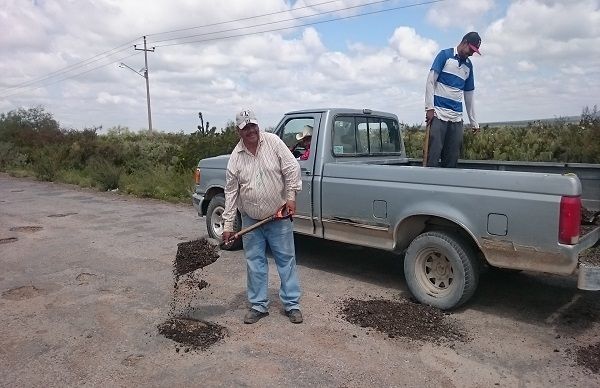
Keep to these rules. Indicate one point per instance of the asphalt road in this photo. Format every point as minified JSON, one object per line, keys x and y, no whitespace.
{"x":86,"y":277}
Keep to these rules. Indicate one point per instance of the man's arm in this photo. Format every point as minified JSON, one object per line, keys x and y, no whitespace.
{"x":429,"y":89}
{"x":231,"y":197}
{"x":470,"y":106}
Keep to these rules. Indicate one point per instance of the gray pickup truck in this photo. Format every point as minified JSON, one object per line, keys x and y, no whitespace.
{"x":448,"y":224}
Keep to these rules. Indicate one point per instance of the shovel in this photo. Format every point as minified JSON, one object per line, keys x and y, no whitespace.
{"x":277,"y":216}
{"x":426,"y":145}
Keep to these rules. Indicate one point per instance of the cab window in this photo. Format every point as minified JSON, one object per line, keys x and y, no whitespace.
{"x":363,"y":135}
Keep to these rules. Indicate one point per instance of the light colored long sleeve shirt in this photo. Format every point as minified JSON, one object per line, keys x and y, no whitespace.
{"x":258,"y":185}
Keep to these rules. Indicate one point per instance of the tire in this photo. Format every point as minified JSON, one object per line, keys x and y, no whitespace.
{"x":441,"y":269}
{"x":214,"y":222}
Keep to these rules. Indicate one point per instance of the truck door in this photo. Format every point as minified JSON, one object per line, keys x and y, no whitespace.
{"x":299,"y":133}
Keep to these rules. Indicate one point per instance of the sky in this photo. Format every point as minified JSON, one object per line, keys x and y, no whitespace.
{"x":540,"y":58}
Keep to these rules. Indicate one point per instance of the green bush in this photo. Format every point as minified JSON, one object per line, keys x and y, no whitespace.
{"x":105,"y":174}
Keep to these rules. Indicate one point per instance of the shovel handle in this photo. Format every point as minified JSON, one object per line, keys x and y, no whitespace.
{"x":277,"y":216}
{"x":426,"y":144}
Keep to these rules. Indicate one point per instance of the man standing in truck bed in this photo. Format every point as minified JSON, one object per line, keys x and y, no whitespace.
{"x":262,"y":177}
{"x":450,"y":77}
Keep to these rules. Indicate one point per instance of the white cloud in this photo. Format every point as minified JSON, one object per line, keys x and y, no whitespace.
{"x":411,"y":46}
{"x":572,"y":70}
{"x":106,"y":98}
{"x":526,"y":66}
{"x":458,"y":13}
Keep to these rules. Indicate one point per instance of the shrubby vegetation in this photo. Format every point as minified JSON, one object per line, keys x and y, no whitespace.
{"x":554,"y":141}
{"x":160,"y":165}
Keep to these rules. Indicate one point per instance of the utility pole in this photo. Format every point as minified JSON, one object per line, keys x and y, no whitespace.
{"x":145,"y":50}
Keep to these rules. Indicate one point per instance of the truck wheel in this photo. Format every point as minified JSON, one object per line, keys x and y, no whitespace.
{"x":215,"y":223}
{"x":441,"y":270}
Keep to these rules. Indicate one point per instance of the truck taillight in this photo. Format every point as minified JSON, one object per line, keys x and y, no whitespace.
{"x":197,"y":176}
{"x":570,"y":220}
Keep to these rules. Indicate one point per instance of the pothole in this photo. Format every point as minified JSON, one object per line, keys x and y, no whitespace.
{"x":28,"y":228}
{"x":61,"y":214}
{"x":85,"y":278}
{"x":23,"y":292}
{"x":132,"y":359}
{"x":8,"y":240}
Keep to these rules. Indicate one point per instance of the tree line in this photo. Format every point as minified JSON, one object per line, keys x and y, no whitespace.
{"x":160,"y":165}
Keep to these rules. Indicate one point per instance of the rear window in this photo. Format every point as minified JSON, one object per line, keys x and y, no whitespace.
{"x":360,"y":135}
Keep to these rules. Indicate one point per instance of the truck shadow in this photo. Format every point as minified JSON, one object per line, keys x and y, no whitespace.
{"x":363,"y":264}
{"x":540,"y":299}
{"x":536,"y":298}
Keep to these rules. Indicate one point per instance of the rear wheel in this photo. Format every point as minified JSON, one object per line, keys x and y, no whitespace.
{"x":215,"y":223}
{"x":441,"y":269}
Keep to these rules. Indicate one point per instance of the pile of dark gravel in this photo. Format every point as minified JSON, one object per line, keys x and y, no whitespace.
{"x":589,"y":357}
{"x":190,"y":333}
{"x":402,"y":319}
{"x":590,"y":256}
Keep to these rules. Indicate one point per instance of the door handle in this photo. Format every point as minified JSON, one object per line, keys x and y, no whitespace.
{"x":305,"y":171}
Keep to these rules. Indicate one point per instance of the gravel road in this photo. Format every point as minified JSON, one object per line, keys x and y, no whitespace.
{"x":86,"y":278}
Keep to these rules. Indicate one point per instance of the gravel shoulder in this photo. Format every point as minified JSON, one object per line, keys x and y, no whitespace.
{"x":87,"y":278}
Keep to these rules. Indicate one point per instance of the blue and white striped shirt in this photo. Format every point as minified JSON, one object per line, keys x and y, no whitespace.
{"x":454,"y":77}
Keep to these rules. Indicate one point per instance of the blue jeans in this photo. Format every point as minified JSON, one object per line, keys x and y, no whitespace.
{"x":279,"y":235}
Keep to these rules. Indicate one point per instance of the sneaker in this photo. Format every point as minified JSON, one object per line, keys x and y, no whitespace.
{"x":252,"y":316}
{"x":295,"y":316}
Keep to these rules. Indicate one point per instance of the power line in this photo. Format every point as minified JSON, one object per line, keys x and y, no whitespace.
{"x":72,"y":67}
{"x":290,"y":27}
{"x":274,"y":22}
{"x":72,"y":76}
{"x":106,"y":55}
{"x":121,"y":47}
{"x":246,"y":18}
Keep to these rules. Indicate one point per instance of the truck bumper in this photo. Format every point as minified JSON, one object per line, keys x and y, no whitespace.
{"x":562,"y":261}
{"x":197,"y":201}
{"x":589,"y":272}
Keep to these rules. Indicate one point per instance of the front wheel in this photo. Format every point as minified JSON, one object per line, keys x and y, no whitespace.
{"x":215,"y":223}
{"x":441,"y":270}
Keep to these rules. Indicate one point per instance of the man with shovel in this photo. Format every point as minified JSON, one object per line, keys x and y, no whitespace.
{"x":450,"y":78}
{"x":262,"y":179}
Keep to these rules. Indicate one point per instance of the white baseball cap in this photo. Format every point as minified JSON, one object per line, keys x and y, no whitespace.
{"x":245,"y":116}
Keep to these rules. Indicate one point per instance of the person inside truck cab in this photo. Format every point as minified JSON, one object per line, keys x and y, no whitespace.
{"x":302,"y":149}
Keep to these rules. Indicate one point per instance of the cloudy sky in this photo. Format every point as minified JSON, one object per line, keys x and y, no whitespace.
{"x":541,"y":58}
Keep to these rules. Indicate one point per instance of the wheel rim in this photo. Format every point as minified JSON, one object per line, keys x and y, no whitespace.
{"x":216,"y":220}
{"x":435,"y":272}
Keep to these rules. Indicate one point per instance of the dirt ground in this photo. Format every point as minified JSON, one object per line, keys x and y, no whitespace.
{"x":88,"y":297}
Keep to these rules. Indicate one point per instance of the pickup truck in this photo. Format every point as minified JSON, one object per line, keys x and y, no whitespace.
{"x":358,"y":187}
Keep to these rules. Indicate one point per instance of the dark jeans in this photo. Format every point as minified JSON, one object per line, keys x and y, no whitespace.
{"x":445,"y":142}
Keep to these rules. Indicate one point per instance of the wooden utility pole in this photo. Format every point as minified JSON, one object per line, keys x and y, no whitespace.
{"x":145,"y":50}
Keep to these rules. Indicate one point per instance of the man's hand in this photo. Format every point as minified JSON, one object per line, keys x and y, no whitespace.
{"x":227,"y":236}
{"x":290,"y":207}
{"x":429,"y":114}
